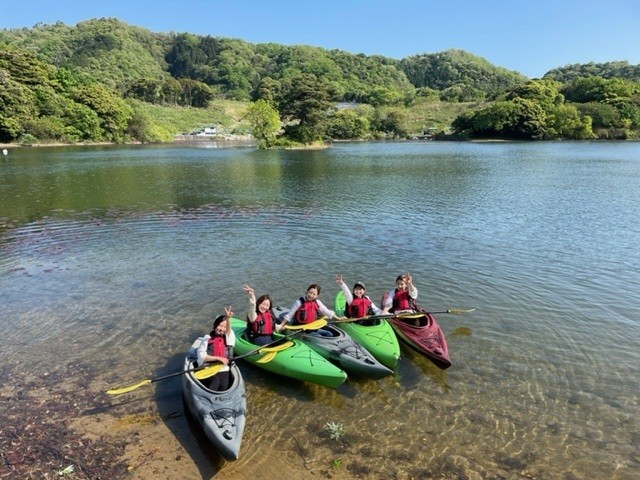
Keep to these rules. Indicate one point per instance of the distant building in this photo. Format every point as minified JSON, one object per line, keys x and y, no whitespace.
{"x":206,"y":131}
{"x":346,"y":105}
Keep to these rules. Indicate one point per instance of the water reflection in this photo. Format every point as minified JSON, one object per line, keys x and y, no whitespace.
{"x":108,"y":252}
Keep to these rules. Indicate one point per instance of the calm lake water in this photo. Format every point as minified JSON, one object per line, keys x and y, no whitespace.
{"x":118,"y":257}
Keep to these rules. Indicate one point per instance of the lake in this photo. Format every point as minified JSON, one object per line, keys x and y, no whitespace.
{"x":113,"y":259}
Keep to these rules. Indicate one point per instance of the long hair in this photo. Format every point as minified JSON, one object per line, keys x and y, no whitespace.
{"x":261,"y":299}
{"x":313,"y":285}
{"x":219,"y":319}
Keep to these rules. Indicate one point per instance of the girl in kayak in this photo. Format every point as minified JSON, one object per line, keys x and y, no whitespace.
{"x":402,"y":298}
{"x":308,"y":309}
{"x":261,"y":323}
{"x":358,"y":304}
{"x":218,"y":347}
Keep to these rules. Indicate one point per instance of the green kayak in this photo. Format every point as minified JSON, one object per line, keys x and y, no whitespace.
{"x":297,"y":361}
{"x":375,"y":335}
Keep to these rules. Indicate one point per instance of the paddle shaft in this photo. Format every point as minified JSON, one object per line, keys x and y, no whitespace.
{"x":118,"y":391}
{"x":454,"y":311}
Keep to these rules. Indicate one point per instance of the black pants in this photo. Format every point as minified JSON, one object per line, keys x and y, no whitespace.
{"x":219,"y":382}
{"x":260,"y":339}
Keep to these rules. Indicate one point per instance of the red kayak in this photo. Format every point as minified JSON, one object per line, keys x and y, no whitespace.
{"x":424,"y":335}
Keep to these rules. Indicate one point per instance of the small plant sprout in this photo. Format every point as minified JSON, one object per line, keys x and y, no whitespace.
{"x":336,"y":430}
{"x":336,"y":464}
{"x":66,"y":471}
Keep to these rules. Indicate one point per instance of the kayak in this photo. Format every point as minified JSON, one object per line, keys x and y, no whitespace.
{"x":221,"y":414}
{"x":340,"y":349}
{"x":424,"y":335}
{"x":375,"y":335}
{"x":297,"y":361}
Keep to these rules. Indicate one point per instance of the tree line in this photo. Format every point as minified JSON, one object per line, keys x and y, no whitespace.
{"x":87,"y":83}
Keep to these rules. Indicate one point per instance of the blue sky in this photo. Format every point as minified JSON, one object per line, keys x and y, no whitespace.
{"x":528,"y":36}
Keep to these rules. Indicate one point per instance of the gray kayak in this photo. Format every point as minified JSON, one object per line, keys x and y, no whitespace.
{"x":342,"y":350}
{"x":221,"y":414}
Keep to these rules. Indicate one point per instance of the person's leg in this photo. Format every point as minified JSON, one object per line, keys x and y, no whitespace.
{"x":262,"y":340}
{"x":321,"y":332}
{"x":214,"y":382}
{"x":225,"y":381}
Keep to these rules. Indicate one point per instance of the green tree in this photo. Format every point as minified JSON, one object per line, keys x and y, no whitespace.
{"x":443,"y":70}
{"x":307,"y":101}
{"x":195,"y":93}
{"x":348,"y":124}
{"x":565,"y":121}
{"x":269,"y":90}
{"x":598,"y":89}
{"x":264,"y":121}
{"x":17,"y":106}
{"x":114,"y":113}
{"x":515,"y":119}
{"x":392,"y":123}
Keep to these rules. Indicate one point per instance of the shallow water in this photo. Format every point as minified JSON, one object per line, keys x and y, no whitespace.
{"x":119,"y":256}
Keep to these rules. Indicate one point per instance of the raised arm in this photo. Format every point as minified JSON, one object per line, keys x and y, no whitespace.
{"x":348,"y":296}
{"x":251,"y":313}
{"x":413,"y":291}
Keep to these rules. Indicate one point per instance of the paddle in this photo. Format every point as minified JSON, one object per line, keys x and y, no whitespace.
{"x":207,"y":371}
{"x":118,"y":391}
{"x":270,"y":354}
{"x":321,"y":322}
{"x":454,"y":311}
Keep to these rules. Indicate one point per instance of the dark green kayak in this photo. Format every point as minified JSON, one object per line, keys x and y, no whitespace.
{"x":297,"y":361}
{"x":374,"y":335}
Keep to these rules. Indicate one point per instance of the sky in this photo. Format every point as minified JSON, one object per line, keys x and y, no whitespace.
{"x":527,"y":36}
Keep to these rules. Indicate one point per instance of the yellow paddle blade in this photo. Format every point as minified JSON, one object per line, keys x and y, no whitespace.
{"x":411,"y":315}
{"x":321,"y":322}
{"x":460,"y":311}
{"x":267,"y":357}
{"x":208,"y":372}
{"x":277,"y":348}
{"x":118,"y":391}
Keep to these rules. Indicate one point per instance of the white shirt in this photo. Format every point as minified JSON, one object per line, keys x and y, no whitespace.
{"x":203,"y":343}
{"x":349,"y":298}
{"x":297,"y":304}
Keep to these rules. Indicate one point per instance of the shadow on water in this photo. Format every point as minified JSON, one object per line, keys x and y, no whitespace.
{"x":289,"y":387}
{"x":182,"y":425}
{"x":412,"y":366}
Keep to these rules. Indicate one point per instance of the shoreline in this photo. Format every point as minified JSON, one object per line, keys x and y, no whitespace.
{"x":235,"y":140}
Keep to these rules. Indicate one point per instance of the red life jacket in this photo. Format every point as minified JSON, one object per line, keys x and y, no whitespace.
{"x":263,"y":324}
{"x":307,"y":313}
{"x":402,"y":301}
{"x":359,"y":307}
{"x":217,"y":346}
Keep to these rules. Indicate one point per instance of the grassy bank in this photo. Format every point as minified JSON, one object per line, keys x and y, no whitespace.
{"x":166,"y":122}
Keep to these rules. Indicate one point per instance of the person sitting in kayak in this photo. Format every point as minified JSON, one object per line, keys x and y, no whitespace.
{"x":308,"y":309}
{"x":403,"y":298}
{"x":261,"y":323}
{"x":218,"y":347}
{"x":358,"y":304}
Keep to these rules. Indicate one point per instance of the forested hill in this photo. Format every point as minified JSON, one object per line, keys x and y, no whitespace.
{"x":105,"y":80}
{"x":119,"y":55}
{"x":622,"y":70}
